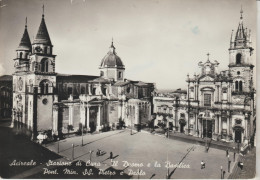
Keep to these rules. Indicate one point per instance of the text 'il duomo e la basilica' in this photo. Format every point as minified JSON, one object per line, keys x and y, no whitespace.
{"x":218,"y":105}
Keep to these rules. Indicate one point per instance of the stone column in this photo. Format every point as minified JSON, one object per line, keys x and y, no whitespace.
{"x":220,"y":125}
{"x":196,"y":123}
{"x":149,"y":111}
{"x":230,"y":123}
{"x":83,"y":114}
{"x":246,"y":134}
{"x":200,"y":127}
{"x":55,"y":120}
{"x":137,"y":114}
{"x":217,"y":94}
{"x":89,"y":89}
{"x":216,"y":125}
{"x":99,"y":117}
{"x":87,"y":125}
{"x":228,"y":119}
{"x":70,"y":115}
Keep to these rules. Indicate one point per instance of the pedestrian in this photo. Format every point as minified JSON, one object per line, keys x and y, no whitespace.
{"x":202,"y":164}
{"x":227,"y":152}
{"x":111,"y":155}
{"x":98,"y":152}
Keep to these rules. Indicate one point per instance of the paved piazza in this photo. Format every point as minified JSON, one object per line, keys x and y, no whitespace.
{"x":147,"y":149}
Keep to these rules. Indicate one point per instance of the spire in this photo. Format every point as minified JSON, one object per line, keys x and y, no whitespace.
{"x":25,"y":43}
{"x":240,"y":38}
{"x":42,"y":36}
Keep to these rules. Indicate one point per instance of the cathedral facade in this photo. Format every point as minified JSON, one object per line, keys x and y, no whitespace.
{"x":217,"y":105}
{"x":44,"y":100}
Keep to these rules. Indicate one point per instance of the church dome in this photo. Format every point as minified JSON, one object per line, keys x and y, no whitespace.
{"x":111,"y":59}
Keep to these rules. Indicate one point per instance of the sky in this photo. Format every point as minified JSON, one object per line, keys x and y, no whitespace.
{"x":159,"y":41}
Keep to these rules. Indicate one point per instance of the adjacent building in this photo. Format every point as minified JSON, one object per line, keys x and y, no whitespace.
{"x":6,"y":95}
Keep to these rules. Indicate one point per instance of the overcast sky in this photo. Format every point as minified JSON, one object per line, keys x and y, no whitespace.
{"x":159,"y":41}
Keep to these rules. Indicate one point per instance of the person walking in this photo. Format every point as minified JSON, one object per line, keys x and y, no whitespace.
{"x":111,"y":155}
{"x":227,"y":152}
{"x":202,"y":164}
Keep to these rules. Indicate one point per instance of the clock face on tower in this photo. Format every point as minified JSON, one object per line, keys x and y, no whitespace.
{"x":38,"y":49}
{"x":20,"y":84}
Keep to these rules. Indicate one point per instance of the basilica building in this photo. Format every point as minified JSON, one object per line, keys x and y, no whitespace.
{"x":46,"y":100}
{"x":217,"y":105}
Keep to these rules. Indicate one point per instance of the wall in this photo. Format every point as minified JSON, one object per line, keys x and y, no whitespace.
{"x":44,"y":112}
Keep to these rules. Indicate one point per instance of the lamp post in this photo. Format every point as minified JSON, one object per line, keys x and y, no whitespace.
{"x":221,"y":170}
{"x":81,"y":134}
{"x":90,"y":153}
{"x":228,"y":163}
{"x":168,"y":173}
{"x":234,"y":154}
{"x":72,"y":151}
{"x":58,"y":145}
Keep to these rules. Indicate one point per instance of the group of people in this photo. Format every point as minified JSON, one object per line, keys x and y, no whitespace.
{"x":99,"y":153}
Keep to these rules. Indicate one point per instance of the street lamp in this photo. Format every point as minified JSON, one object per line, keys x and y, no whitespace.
{"x":58,"y":145}
{"x":221,"y":170}
{"x":234,"y":154}
{"x":72,"y":151}
{"x":168,"y":135}
{"x":228,"y":163}
{"x":90,"y":153}
{"x":82,"y":134}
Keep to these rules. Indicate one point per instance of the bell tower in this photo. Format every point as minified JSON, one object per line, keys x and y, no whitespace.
{"x":21,"y":65}
{"x":240,"y":58}
{"x":35,"y":84}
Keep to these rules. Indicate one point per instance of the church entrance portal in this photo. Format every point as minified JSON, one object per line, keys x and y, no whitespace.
{"x":238,"y":136}
{"x":93,"y":110}
{"x":182,"y":127}
{"x":207,"y":128}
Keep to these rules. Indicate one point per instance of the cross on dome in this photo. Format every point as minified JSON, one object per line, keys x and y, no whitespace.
{"x":241,"y":12}
{"x":208,"y":56}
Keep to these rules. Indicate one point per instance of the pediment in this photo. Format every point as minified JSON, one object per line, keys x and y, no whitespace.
{"x":207,"y":78}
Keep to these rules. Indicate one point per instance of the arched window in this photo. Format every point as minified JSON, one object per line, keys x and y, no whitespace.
{"x":236,"y":86}
{"x":238,"y":58}
{"x":120,"y":75}
{"x":44,"y":65}
{"x":21,"y":55}
{"x":224,"y":94}
{"x":101,"y":73}
{"x":44,"y":86}
{"x":240,"y":86}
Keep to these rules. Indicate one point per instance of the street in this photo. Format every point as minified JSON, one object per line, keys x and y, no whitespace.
{"x":141,"y":155}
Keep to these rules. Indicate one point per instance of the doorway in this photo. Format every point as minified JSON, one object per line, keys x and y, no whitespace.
{"x":238,"y":136}
{"x":182,"y":127}
{"x":207,"y":128}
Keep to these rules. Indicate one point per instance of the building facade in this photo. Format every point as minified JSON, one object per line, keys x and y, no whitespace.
{"x":44,"y":100}
{"x":6,"y":102}
{"x":218,"y":105}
